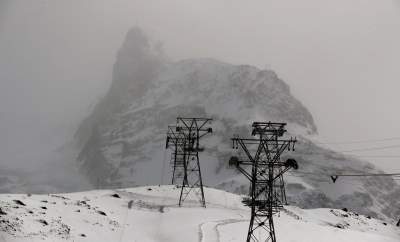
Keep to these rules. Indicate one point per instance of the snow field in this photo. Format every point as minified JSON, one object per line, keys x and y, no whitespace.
{"x":145,"y":214}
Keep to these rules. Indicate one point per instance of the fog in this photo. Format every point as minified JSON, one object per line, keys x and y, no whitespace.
{"x":341,"y":59}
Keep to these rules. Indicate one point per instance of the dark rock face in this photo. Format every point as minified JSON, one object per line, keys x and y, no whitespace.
{"x":137,"y":65}
{"x":123,"y":140}
{"x":138,"y":62}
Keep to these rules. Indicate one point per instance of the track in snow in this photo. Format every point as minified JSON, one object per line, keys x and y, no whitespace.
{"x":208,"y":231}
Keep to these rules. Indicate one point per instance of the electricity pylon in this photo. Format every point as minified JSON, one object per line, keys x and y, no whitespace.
{"x":176,"y":140}
{"x":267,"y":191}
{"x":185,"y":159}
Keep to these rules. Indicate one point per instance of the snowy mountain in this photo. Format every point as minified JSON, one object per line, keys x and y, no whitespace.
{"x":122,"y":143}
{"x":59,"y":174}
{"x":151,"y":214}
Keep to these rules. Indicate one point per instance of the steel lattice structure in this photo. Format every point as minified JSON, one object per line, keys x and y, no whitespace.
{"x":262,"y":165}
{"x":185,"y":140}
{"x":176,"y":141}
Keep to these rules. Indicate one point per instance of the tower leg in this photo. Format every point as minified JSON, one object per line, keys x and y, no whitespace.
{"x":185,"y":178}
{"x":175,"y":157}
{"x":203,"y":200}
{"x":250,"y":232}
{"x":272,"y":229}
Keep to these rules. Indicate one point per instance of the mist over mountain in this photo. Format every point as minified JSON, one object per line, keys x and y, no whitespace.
{"x":122,"y":142}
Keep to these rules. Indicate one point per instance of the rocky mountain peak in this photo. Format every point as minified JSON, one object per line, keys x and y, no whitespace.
{"x":122,"y":143}
{"x":138,"y":61}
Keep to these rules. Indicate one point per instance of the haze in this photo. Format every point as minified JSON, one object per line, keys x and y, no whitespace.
{"x":341,"y":59}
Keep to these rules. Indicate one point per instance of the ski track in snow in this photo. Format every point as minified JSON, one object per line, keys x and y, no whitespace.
{"x":208,"y":231}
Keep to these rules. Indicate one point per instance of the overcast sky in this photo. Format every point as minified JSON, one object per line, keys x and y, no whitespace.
{"x":341,"y":59}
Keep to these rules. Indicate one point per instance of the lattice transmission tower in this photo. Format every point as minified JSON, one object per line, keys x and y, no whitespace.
{"x":261,"y":163}
{"x":176,"y":141}
{"x":184,"y":138}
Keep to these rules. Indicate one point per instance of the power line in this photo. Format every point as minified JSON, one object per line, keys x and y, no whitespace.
{"x":377,"y":156}
{"x":360,"y":141}
{"x":329,"y":179}
{"x":355,"y":155}
{"x":377,"y":174}
{"x":370,"y":148}
{"x":334,"y":177}
{"x":364,"y":141}
{"x":361,"y":174}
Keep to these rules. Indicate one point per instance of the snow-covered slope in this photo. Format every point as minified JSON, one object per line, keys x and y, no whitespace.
{"x":104,"y":215}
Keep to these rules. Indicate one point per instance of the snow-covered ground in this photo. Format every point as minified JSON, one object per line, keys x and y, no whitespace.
{"x":151,"y":214}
